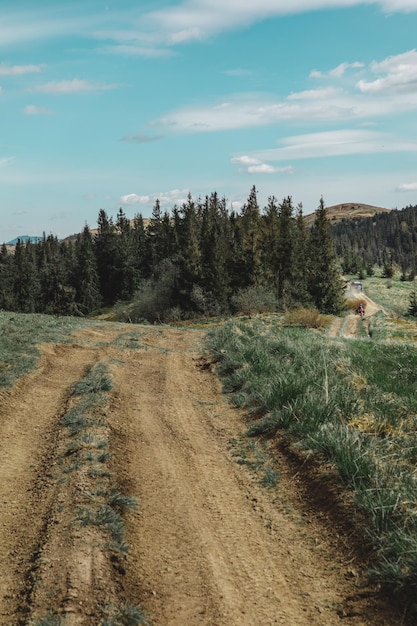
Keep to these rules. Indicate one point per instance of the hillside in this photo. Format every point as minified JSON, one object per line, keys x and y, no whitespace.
{"x":348,"y":210}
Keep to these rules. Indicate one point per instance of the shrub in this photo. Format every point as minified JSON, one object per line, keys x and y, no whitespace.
{"x":253,"y":300}
{"x":307,"y":318}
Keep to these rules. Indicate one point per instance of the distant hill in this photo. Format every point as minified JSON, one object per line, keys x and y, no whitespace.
{"x":348,"y":210}
{"x":24,"y":239}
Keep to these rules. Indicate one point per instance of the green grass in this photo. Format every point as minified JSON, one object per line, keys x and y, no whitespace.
{"x":19,"y":336}
{"x":348,"y":402}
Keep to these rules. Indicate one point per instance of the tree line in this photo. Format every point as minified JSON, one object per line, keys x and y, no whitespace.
{"x":198,"y":258}
{"x":388,"y":240}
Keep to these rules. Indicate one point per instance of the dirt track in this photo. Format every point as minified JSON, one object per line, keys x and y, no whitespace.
{"x":208,"y":544}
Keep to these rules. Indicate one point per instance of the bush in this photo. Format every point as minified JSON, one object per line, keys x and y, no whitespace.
{"x":307,"y":318}
{"x":253,"y":300}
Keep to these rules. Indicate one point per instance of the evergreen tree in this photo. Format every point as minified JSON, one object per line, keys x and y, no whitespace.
{"x":127,"y":276}
{"x":269,"y":244}
{"x":26,"y":284}
{"x":249,"y":224}
{"x":106,"y":251}
{"x":85,"y":275}
{"x":189,"y":253}
{"x":6,"y":280}
{"x":325,"y":283}
{"x":215,"y":254}
{"x":285,"y":248}
{"x":159,"y":237}
{"x":299,"y":281}
{"x":140,"y":261}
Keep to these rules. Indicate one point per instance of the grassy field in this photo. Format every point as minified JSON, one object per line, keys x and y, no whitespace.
{"x":348,"y":402}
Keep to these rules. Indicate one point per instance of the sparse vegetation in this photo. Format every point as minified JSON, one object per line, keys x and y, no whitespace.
{"x":20,"y":336}
{"x":126,"y":615}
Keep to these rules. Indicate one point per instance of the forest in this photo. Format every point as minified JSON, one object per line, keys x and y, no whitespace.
{"x":388,"y":240}
{"x":197,"y":259}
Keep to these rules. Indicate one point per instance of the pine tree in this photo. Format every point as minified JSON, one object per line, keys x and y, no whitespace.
{"x":139,"y":248}
{"x":26,"y":283}
{"x":159,"y":238}
{"x":125,"y":262}
{"x":6,"y":280}
{"x":325,"y":283}
{"x":85,"y":275}
{"x":215,"y":254}
{"x":269,"y":244}
{"x":285,"y":247}
{"x":106,"y":249}
{"x":299,"y":284}
{"x":249,"y":224}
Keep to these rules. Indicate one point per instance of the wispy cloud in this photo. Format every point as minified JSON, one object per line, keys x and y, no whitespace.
{"x":360,"y":101}
{"x":6,"y":161}
{"x":32,"y":109}
{"x":71,"y":86}
{"x":18,"y":70}
{"x":336,"y":72}
{"x":335,"y":143}
{"x":407,"y":187}
{"x":149,"y":52}
{"x":254,"y":166}
{"x":141,"y":138}
{"x":135,"y":31}
{"x":398,"y":74}
{"x":166,"y":198}
{"x":194,"y":20}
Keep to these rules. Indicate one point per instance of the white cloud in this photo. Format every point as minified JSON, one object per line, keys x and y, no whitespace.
{"x":335,"y":143}
{"x":265,"y":168}
{"x":245,"y":111}
{"x":407,"y":187}
{"x":32,"y":109}
{"x":336,"y":72}
{"x":355,"y":101}
{"x":245,"y":160}
{"x":399,"y":74}
{"x":133,"y":198}
{"x":18,"y":70}
{"x":70,"y":86}
{"x":175,"y":196}
{"x":316,"y":94}
{"x":193,"y":20}
{"x":255,"y":166}
{"x":135,"y":31}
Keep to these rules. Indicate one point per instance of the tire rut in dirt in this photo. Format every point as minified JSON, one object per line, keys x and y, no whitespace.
{"x":208,"y":544}
{"x":39,"y":545}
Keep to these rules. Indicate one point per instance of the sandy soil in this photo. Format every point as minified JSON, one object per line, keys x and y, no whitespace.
{"x":208,"y":544}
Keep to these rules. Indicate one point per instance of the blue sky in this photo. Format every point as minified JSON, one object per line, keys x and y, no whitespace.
{"x":114,"y":104}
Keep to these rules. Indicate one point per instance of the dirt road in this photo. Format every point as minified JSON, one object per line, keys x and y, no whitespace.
{"x":348,"y":326}
{"x":209,"y":545}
